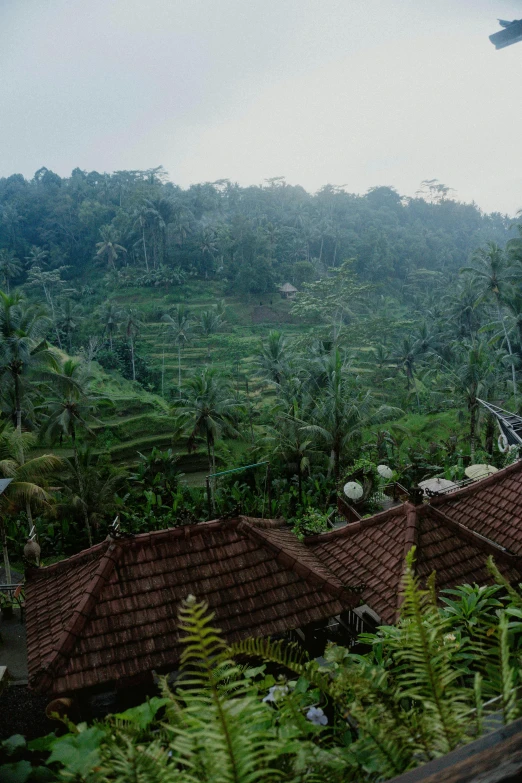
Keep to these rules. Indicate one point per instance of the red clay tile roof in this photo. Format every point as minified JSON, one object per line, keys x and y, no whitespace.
{"x":369,"y":552}
{"x":110,"y":612}
{"x":372,"y":551}
{"x":491,"y":507}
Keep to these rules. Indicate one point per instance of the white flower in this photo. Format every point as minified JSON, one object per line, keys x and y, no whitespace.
{"x":316,"y":716}
{"x":276,"y":692}
{"x":449,"y":637}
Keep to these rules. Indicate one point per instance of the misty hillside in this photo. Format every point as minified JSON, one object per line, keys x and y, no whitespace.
{"x":250,"y":238}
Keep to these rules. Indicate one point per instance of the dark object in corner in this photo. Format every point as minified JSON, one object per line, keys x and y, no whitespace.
{"x":512,"y":33}
{"x":494,"y":758}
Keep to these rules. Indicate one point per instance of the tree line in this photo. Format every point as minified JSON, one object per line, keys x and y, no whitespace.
{"x":146,"y":230}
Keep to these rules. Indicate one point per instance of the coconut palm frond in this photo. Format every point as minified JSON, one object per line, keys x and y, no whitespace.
{"x":39,"y":467}
{"x":22,"y":492}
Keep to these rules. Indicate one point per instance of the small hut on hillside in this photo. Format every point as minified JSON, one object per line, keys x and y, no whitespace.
{"x":287,"y":291}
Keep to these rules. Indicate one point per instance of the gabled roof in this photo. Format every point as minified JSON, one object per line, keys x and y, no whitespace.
{"x":110,"y":612}
{"x":288,"y":288}
{"x":491,"y":507}
{"x":373,"y":551}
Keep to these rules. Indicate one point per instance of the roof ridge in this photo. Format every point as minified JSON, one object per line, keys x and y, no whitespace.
{"x":478,"y":485}
{"x":290,"y":559}
{"x":410,"y":539}
{"x":482,"y":542}
{"x":85,"y":555}
{"x":264,"y":523}
{"x":43,"y":678}
{"x":354,"y":527}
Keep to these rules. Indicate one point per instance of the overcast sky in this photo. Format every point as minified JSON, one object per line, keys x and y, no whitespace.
{"x":348,"y":92}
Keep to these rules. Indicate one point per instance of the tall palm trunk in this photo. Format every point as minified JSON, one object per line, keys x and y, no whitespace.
{"x":132,"y":358}
{"x":472,"y":428}
{"x":490,"y":433}
{"x":81,"y":487}
{"x":144,"y":245}
{"x":179,"y":368}
{"x":211,"y":469}
{"x":508,"y":343}
{"x":18,"y":404}
{"x":22,"y":462}
{"x":163,"y":371}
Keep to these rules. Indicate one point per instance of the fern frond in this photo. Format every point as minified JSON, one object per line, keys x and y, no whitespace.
{"x":514,"y":595}
{"x":427,"y":675}
{"x":507,"y":673}
{"x":289,"y":655}
{"x":223,"y":732}
{"x":126,"y":760}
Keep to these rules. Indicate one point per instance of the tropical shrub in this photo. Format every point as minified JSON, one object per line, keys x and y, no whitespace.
{"x":417,"y":694}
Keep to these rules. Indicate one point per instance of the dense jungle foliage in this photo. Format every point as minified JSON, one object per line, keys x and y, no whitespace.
{"x":144,"y":344}
{"x":447,"y":673}
{"x":151,"y":231}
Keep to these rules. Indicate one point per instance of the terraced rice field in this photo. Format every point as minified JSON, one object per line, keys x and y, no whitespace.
{"x":232,"y":349}
{"x":137,"y":421}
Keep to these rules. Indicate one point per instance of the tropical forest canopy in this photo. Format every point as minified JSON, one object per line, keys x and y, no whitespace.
{"x":251,"y":237}
{"x":143,"y":336}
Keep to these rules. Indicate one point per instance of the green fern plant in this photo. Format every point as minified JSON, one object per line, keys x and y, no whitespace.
{"x":223,"y":731}
{"x":424,"y":688}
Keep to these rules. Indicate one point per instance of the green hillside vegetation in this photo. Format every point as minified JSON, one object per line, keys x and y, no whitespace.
{"x":186,"y":359}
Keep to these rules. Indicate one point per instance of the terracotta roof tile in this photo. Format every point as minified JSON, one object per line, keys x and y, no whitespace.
{"x":111,"y":611}
{"x":373,"y":551}
{"x":491,"y":507}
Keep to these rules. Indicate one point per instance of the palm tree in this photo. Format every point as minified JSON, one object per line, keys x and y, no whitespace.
{"x":69,"y":410}
{"x":89,"y":489}
{"x":208,"y":403}
{"x":70,"y":317}
{"x":474,"y":375}
{"x":462,"y":308}
{"x":183,"y":220}
{"x":9,"y":267}
{"x":180,"y":325}
{"x":22,"y":345}
{"x":27,"y":480}
{"x":49,"y":281}
{"x":288,"y":441}
{"x":273,"y":357}
{"x":209,"y":322}
{"x":514,"y":306}
{"x":109,"y":248}
{"x":110,"y":317}
{"x":493,"y":278}
{"x":207,"y":247}
{"x":140,"y":222}
{"x":342,"y":411}
{"x":132,"y":327}
{"x":37,"y":257}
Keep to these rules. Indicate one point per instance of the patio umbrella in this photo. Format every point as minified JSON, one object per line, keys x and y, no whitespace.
{"x":480,"y":471}
{"x":437,"y":485}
